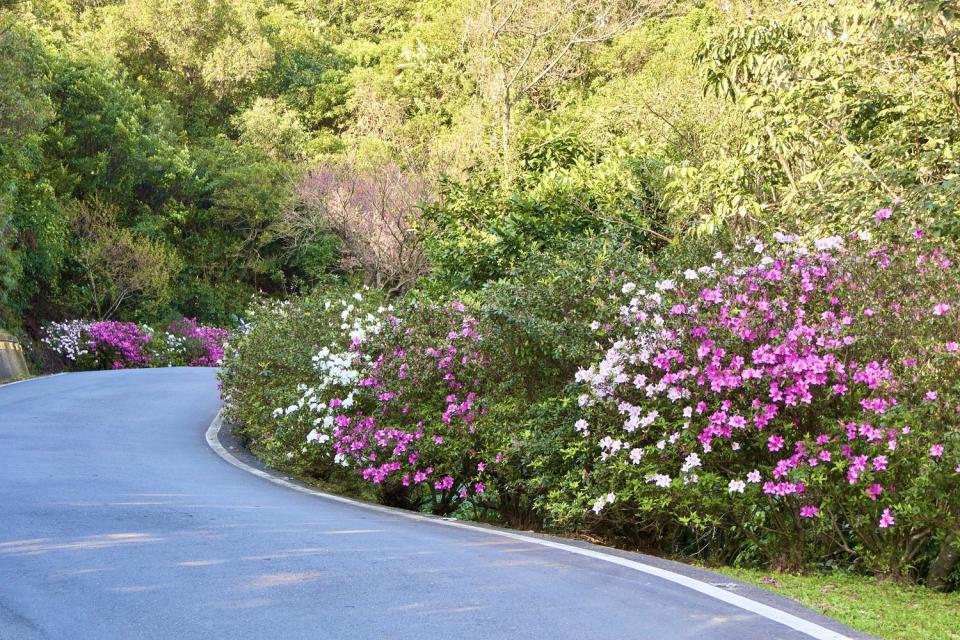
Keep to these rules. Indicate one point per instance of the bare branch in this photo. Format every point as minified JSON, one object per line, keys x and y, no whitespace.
{"x":373,"y":212}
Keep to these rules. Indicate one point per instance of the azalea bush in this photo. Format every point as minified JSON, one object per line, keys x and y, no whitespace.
{"x":191,"y":343}
{"x":340,"y":385}
{"x":786,"y":401}
{"x":399,"y":403}
{"x":110,"y":344}
{"x":284,"y":367}
{"x":781,"y":402}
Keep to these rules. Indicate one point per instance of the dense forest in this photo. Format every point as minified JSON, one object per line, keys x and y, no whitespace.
{"x":161,"y":158}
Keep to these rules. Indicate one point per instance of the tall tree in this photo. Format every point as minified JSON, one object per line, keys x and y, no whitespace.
{"x":525,"y":44}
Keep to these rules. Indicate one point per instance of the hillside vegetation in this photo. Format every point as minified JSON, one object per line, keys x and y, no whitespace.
{"x":167,"y":157}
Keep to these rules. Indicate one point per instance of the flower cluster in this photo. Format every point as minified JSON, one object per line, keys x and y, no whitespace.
{"x":200,"y":345}
{"x":400,"y":405}
{"x":815,"y":378}
{"x":119,"y":345}
{"x":338,"y":366}
{"x":110,"y":344}
{"x":68,"y":339}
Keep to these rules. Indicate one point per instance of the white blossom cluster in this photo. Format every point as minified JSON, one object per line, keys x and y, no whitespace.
{"x":66,"y":339}
{"x":339,"y":368}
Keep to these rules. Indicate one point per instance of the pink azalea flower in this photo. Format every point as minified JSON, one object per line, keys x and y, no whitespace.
{"x":887,"y":519}
{"x":809,"y":511}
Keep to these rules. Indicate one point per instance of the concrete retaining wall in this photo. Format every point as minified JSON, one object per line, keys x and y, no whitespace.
{"x":12,"y":363}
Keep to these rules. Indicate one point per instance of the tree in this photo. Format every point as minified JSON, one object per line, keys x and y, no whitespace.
{"x":374,"y":212}
{"x":523,"y":45}
{"x":206,"y":54}
{"x":30,"y":232}
{"x":847,"y":106}
{"x":269,"y":126}
{"x":117,"y":264}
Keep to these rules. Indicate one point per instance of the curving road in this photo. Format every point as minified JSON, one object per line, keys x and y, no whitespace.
{"x":117,"y":521}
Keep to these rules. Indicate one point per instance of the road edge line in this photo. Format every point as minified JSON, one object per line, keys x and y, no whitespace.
{"x":779,"y":616}
{"x":33,"y":378}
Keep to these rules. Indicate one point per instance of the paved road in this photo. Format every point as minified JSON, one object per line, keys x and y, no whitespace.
{"x":117,"y":521}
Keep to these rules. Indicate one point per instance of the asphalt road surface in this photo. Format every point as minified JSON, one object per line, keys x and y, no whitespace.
{"x":118,"y":521}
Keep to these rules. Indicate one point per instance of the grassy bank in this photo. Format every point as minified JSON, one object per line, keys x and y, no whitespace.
{"x":884,"y":609}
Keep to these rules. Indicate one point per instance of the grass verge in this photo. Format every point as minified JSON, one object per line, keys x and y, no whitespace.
{"x":885,"y":609}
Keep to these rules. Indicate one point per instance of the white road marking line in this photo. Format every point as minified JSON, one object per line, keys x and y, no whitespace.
{"x":806,"y":627}
{"x":33,"y":379}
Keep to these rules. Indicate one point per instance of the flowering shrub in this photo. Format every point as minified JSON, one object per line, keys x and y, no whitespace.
{"x":786,"y":394}
{"x":287,"y":364}
{"x":68,"y":340}
{"x":416,"y":436}
{"x":780,"y":403}
{"x":122,"y":345}
{"x":397,"y":400}
{"x":196,"y":344}
{"x":539,"y":328}
{"x":118,"y":345}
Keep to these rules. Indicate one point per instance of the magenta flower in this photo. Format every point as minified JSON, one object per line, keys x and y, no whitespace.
{"x":714,"y":296}
{"x":936,"y":451}
{"x":941,"y":309}
{"x":887,"y":519}
{"x":809,"y":511}
{"x":775,"y":443}
{"x":883,"y":214}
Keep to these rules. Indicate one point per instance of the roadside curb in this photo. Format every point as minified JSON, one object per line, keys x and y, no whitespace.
{"x":32,"y":379}
{"x":730,"y":591}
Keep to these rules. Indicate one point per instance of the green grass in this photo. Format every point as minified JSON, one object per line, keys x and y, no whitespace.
{"x":884,"y":609}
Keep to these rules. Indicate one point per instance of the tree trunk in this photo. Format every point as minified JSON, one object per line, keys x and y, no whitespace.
{"x":945,"y":561}
{"x":506,"y":107}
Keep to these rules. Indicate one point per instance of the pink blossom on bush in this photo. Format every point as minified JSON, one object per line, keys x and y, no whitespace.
{"x":210,"y":339}
{"x":417,"y":428}
{"x":799,"y":357}
{"x":809,"y":511}
{"x":120,"y":345}
{"x":886,"y":519}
